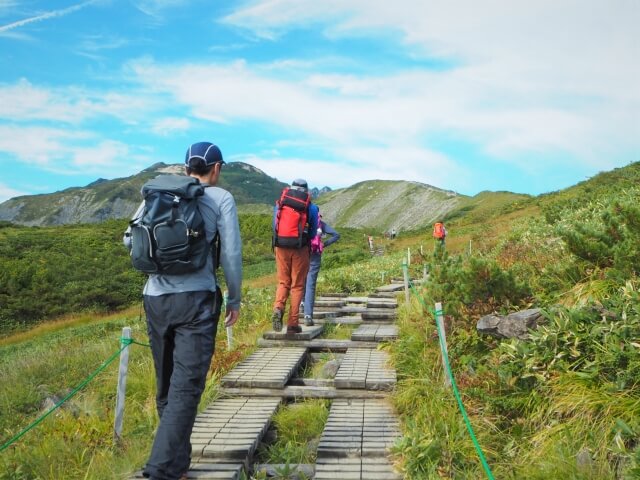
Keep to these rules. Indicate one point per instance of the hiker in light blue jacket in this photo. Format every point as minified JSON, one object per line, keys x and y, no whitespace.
{"x":317,"y":247}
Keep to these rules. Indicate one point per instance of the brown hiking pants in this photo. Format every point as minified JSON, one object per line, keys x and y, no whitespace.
{"x":292,"y":265}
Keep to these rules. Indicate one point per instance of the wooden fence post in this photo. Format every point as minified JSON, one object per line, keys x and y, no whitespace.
{"x":225,"y":297}
{"x":122,"y":384}
{"x":443,"y":345}
{"x":405,"y":271}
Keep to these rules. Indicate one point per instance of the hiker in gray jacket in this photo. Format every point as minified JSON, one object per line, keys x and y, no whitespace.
{"x":182,"y":317}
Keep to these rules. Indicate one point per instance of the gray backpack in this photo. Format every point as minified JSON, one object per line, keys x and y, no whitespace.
{"x":168,"y":236}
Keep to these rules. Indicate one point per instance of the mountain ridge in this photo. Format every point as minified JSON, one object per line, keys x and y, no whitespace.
{"x":379,"y":205}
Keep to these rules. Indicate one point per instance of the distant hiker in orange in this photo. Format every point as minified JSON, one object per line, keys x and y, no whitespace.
{"x":295,"y":221}
{"x":439,"y":234}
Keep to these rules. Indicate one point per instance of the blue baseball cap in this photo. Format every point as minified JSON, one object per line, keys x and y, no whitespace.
{"x":203,"y":154}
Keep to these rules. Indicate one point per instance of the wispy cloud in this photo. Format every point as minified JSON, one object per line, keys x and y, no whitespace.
{"x":7,"y":192}
{"x":47,"y":16}
{"x":23,"y":102}
{"x":170,"y":125}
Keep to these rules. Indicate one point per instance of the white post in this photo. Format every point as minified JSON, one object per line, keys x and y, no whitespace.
{"x":382,"y":278}
{"x":408,"y":256}
{"x":424,"y":271}
{"x":469,"y":247}
{"x":405,"y":271}
{"x":122,"y":384}
{"x":421,"y":252}
{"x":225,"y":297}
{"x":443,"y":345}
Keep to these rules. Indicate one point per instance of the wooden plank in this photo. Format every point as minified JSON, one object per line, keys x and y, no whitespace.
{"x":308,"y":333}
{"x":366,"y":369}
{"x":296,"y":392}
{"x":329,"y":303}
{"x":231,"y":428}
{"x":394,"y":287}
{"x":379,"y":314}
{"x":375,"y":333}
{"x":350,"y":320}
{"x":210,"y":471}
{"x":382,"y":303}
{"x":318,"y":344}
{"x":265,"y":368}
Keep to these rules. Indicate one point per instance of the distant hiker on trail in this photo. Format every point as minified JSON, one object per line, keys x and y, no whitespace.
{"x":393,"y":233}
{"x":182,"y":299}
{"x":370,"y":239}
{"x":439,"y":234}
{"x":317,"y":247}
{"x":294,"y":217}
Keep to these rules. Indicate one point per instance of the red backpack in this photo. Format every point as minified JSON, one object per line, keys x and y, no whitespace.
{"x":291,"y":226}
{"x":438,"y":230}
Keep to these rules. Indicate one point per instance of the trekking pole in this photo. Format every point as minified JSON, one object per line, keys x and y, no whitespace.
{"x":122,"y":384}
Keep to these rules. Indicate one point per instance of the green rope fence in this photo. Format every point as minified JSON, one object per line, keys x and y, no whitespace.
{"x":124,"y":342}
{"x":454,"y":386}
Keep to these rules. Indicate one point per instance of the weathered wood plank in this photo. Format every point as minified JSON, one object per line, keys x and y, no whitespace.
{"x":296,"y":392}
{"x":318,"y":344}
{"x":265,"y":368}
{"x":308,"y":333}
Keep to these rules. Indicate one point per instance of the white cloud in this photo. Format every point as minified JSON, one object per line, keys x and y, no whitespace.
{"x":541,"y":76}
{"x":7,"y":192}
{"x":170,"y":125}
{"x":66,"y":152}
{"x":414,"y":164}
{"x":23,"y":101}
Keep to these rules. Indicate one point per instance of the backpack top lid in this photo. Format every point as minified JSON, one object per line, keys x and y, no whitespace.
{"x":181,"y":185}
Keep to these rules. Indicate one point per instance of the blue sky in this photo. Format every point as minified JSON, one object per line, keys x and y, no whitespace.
{"x":463,"y":95}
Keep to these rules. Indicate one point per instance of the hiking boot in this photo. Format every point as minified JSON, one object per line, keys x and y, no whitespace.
{"x":308,"y":321}
{"x":294,"y":329}
{"x":276,"y":320}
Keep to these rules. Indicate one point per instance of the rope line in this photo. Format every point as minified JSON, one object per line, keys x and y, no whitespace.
{"x":454,"y":386}
{"x":124,"y":342}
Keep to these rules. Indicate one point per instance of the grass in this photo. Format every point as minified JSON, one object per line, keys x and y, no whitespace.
{"x":298,"y":427}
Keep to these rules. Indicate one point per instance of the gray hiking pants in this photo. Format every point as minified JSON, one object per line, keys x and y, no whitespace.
{"x":182,"y":332}
{"x":315,"y":260}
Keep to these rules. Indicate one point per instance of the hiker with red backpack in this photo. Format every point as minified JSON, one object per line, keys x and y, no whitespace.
{"x":439,"y":234}
{"x":294,"y":217}
{"x":317,"y":247}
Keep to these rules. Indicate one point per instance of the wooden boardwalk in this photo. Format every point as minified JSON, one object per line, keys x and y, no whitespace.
{"x":266,"y":368}
{"x":361,"y":427}
{"x":365,"y":368}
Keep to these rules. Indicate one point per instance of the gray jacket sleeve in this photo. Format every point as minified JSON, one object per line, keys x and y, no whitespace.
{"x":231,"y":249}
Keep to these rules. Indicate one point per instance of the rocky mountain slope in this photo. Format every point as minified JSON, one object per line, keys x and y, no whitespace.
{"x":387,"y":204}
{"x":118,"y":198}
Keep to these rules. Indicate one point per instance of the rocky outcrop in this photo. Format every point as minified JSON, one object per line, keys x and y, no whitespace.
{"x":514,"y":325}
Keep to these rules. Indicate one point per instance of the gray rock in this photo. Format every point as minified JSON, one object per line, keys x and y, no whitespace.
{"x":514,"y":325}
